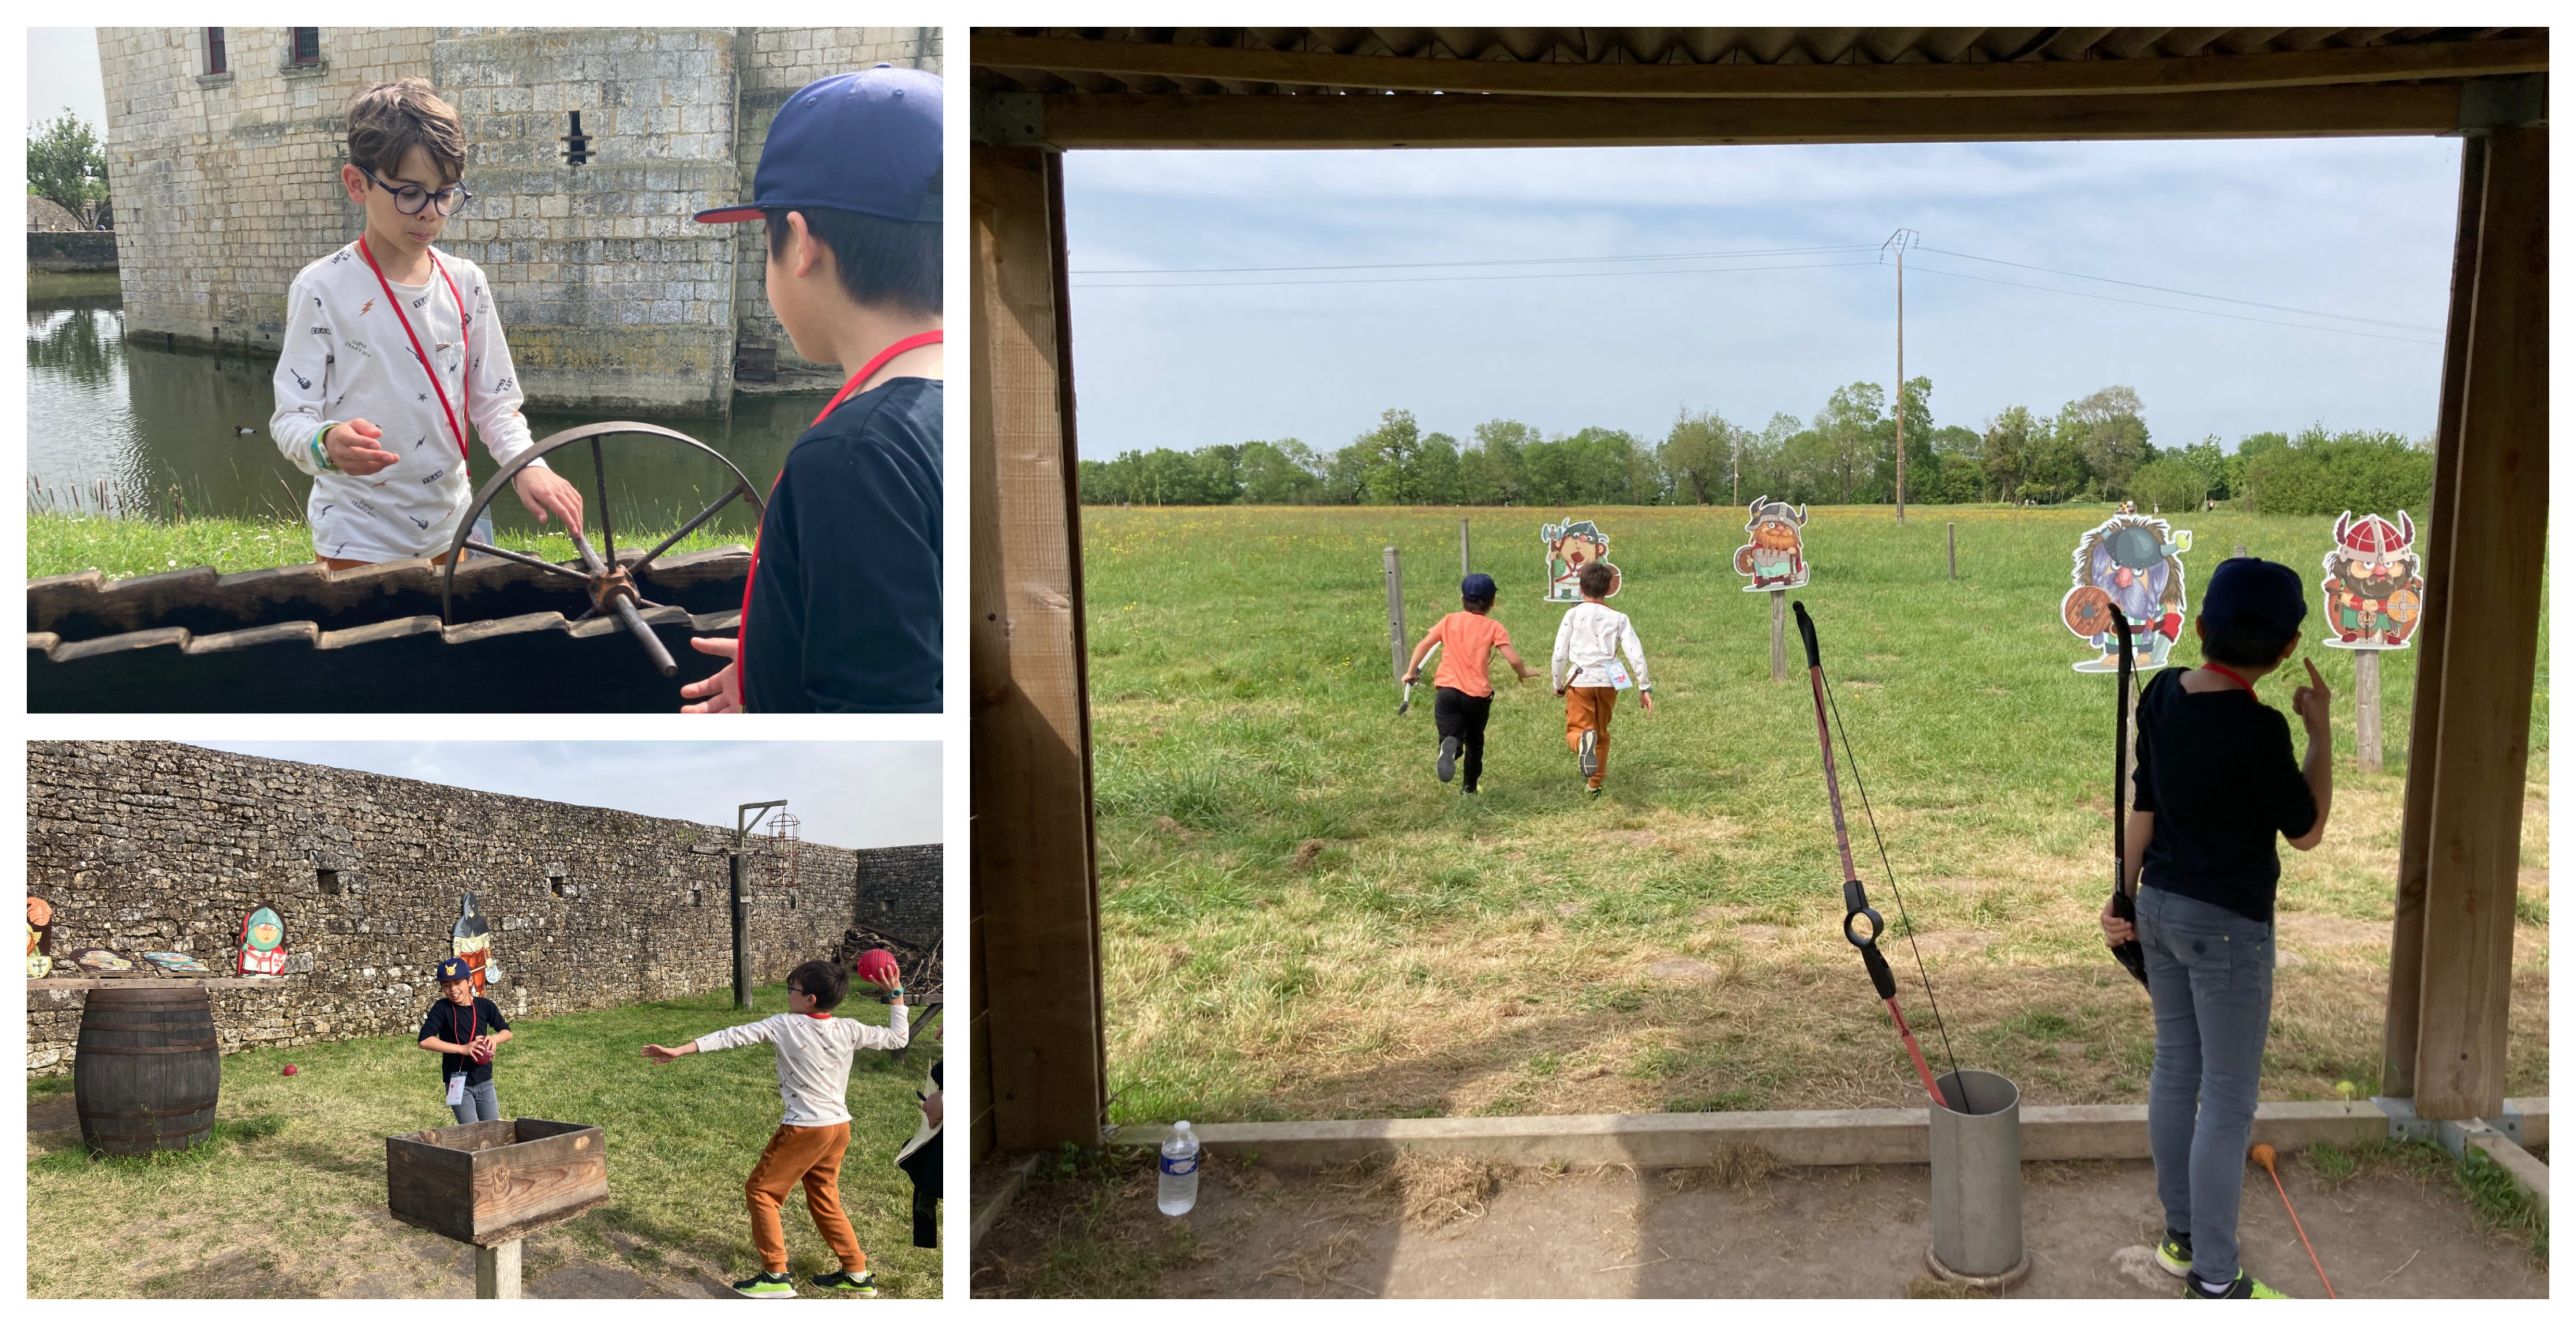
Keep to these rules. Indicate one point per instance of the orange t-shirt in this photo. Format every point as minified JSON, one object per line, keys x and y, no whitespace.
{"x":1467,"y":640}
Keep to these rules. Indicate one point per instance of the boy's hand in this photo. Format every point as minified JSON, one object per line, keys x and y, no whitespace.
{"x":2116,"y":930}
{"x":722,"y":692}
{"x":1413,"y":676}
{"x":662,"y":1055}
{"x":2313,"y":702}
{"x":545,"y":491}
{"x":1646,"y":701}
{"x":352,"y":447}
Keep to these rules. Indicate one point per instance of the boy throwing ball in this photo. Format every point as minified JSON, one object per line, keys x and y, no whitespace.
{"x":814,"y":1050}
{"x":1464,"y":697}
{"x":1585,"y":670}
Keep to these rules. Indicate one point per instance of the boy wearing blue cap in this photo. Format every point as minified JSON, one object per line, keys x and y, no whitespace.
{"x":1464,"y":694}
{"x":465,"y":1030}
{"x":842,"y":609}
{"x":2215,"y":781}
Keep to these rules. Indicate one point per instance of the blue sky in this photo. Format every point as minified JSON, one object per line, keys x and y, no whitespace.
{"x":2354,"y":227}
{"x":62,"y":70}
{"x":847,"y":793}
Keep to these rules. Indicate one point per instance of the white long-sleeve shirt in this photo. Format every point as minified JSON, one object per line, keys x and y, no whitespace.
{"x":1585,"y":641}
{"x":814,"y":1058}
{"x":346,"y":358}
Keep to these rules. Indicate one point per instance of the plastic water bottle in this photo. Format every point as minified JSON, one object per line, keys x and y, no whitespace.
{"x":1178,"y":1188}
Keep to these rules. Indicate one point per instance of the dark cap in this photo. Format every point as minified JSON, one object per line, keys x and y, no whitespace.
{"x":2247,"y":595}
{"x":455,"y":969}
{"x":867,"y":142}
{"x":1478,"y":587}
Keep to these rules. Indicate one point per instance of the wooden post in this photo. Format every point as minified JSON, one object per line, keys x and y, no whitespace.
{"x":2240,"y":550}
{"x":1954,"y":549}
{"x":2365,"y":708}
{"x":1779,"y":642}
{"x":1040,"y":1051}
{"x":1395,"y":607}
{"x":2406,"y":935}
{"x":496,"y":1270}
{"x":2496,"y":532}
{"x":1464,"y":569}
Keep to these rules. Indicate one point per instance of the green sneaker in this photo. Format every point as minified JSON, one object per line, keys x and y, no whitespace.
{"x":2174,"y":1254}
{"x":1592,"y":792}
{"x":865,"y":1282}
{"x":767,"y":1284}
{"x":2246,"y":1286}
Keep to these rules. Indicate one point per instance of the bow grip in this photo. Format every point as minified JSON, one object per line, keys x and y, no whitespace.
{"x":1807,"y":632}
{"x":2120,"y":623}
{"x":1879,"y":975}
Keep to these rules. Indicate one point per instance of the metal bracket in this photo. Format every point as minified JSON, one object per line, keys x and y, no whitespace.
{"x":2403,"y":1125}
{"x":1010,"y":119}
{"x":2504,"y":103}
{"x":2453,"y":1135}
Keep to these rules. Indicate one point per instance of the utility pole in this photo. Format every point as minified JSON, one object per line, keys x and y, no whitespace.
{"x":1735,"y":471}
{"x":1902,"y":240}
{"x":742,"y":904}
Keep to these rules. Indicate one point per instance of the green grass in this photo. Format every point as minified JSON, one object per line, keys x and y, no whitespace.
{"x":1299,"y":922}
{"x":295,"y":1176}
{"x":60,"y":543}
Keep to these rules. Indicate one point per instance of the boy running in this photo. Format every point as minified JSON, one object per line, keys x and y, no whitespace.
{"x":393,"y":350}
{"x":842,"y":612}
{"x":1464,"y":696}
{"x":2215,"y":782}
{"x":1585,"y":670}
{"x":814,"y":1051}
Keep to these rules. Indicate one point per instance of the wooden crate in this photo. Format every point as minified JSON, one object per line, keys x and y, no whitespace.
{"x":491,"y":1182}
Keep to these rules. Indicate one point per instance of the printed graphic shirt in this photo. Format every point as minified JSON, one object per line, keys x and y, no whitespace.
{"x":1467,"y":644}
{"x":346,"y":358}
{"x":814,"y":1058}
{"x":1585,"y":643}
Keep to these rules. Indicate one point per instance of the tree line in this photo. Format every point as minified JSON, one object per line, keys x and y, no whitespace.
{"x":2093,"y":449}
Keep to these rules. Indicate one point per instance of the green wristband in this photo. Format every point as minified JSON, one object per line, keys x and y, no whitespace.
{"x":320,"y":456}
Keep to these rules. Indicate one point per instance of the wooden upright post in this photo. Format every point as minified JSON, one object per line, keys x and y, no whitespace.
{"x":1954,"y":548}
{"x":1040,"y":1052}
{"x":1395,"y":607}
{"x":2496,"y":533}
{"x":1779,"y":642}
{"x":2365,"y":709}
{"x":1464,"y":570}
{"x":496,"y":1270}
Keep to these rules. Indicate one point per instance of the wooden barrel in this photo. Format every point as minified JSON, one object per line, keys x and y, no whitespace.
{"x":147,"y":1072}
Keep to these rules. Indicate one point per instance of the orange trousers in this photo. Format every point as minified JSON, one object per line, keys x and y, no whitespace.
{"x":811,"y":1156}
{"x":1587,"y":708}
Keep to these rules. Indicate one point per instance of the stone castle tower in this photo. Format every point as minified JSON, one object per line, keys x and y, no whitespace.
{"x":587,"y":151}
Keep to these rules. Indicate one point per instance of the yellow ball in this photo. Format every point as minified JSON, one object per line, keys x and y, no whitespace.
{"x":2346,"y":1088}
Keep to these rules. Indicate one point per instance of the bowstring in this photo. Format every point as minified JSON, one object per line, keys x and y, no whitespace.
{"x":1939,"y":1022}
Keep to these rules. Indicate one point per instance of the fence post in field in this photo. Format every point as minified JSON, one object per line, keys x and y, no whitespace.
{"x":2240,"y":550}
{"x":1395,"y":607}
{"x":1779,"y":644}
{"x":1954,"y":549}
{"x":1464,"y":570}
{"x":2365,"y":707}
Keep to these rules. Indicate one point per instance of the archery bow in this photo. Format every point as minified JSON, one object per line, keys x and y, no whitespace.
{"x":2124,"y":904}
{"x":1856,"y":899}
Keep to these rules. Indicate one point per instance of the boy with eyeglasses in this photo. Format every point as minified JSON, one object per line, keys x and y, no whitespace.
{"x":393,"y":350}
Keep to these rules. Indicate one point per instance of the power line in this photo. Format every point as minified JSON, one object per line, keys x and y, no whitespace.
{"x":2168,"y":290}
{"x":2171,"y":308}
{"x":1419,"y":280}
{"x":1489,"y":262}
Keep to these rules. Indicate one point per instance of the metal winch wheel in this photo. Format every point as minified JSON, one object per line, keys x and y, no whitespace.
{"x":612,"y":588}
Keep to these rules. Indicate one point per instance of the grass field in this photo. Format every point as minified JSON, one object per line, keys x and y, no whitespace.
{"x":289,"y":1198}
{"x":59,"y":544}
{"x":1300,"y":922}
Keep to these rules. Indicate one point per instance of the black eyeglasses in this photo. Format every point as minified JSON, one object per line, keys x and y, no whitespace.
{"x":410,"y":198}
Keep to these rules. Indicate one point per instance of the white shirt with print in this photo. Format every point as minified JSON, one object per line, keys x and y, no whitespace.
{"x":814,"y":1058}
{"x":1585,"y":642}
{"x":346,"y":358}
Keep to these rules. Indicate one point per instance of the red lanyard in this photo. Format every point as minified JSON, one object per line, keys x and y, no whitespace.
{"x":742,"y":627}
{"x":2229,"y":673}
{"x":464,"y":337}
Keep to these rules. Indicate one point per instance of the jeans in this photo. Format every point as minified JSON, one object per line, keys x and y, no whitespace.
{"x":2209,"y":975}
{"x":481,"y":1102}
{"x":1455,"y":713}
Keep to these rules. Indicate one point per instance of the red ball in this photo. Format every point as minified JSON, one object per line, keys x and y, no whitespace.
{"x":876,"y":966}
{"x":290,"y":1070}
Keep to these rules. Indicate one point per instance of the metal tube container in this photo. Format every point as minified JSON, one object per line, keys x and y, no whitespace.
{"x":1976,"y":1181}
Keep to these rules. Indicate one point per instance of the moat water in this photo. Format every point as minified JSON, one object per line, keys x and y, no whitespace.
{"x":136,"y":431}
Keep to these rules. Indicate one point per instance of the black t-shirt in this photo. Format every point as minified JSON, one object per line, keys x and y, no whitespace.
{"x":2217,"y":770}
{"x":452,"y":1024}
{"x":844,"y":611}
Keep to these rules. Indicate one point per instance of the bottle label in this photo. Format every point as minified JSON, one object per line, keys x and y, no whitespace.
{"x":1180,"y":1165}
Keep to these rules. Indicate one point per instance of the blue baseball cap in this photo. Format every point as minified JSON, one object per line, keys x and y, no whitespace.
{"x":867,"y":142}
{"x":2252,"y":596}
{"x":1477,"y":586}
{"x":455,"y":969}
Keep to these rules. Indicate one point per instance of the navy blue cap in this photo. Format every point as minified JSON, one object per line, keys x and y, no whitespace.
{"x":2248,"y":594}
{"x":455,"y":969}
{"x":867,"y":142}
{"x":1479,"y":586}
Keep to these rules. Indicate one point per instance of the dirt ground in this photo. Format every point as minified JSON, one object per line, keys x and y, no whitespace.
{"x":1263,"y":1232}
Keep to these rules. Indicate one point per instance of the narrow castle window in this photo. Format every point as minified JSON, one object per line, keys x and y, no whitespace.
{"x":329,"y":880}
{"x":576,"y":143}
{"x":215,"y":52}
{"x":308,"y":46}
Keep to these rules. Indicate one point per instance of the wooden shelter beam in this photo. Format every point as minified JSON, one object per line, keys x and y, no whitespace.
{"x":2495,"y":541}
{"x":2199,"y":73}
{"x":1201,"y":122}
{"x":1039,"y":1036}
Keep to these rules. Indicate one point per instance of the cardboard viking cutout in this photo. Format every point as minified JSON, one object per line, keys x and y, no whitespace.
{"x":1569,"y":546}
{"x":1777,"y":556}
{"x":2374,"y":584}
{"x":263,"y":943}
{"x":2132,"y":565}
{"x":471,"y":939}
{"x":40,"y":937}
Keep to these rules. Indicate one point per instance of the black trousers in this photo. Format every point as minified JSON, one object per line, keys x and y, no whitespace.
{"x":1458,"y":714}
